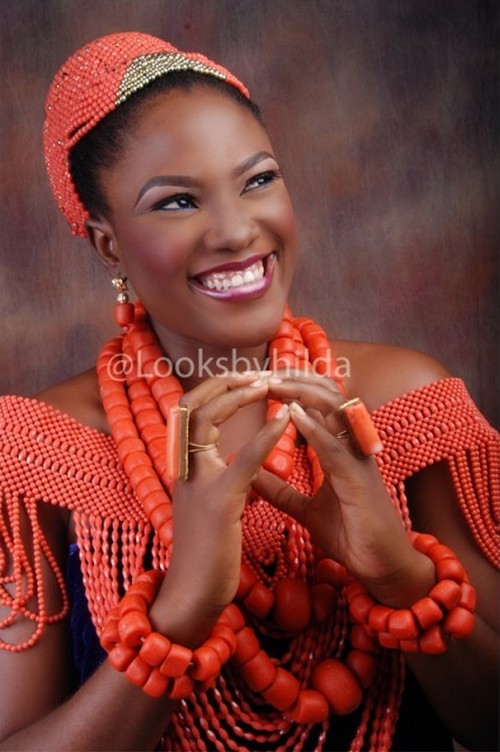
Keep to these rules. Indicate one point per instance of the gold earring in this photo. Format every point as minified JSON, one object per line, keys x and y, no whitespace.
{"x":124,"y":311}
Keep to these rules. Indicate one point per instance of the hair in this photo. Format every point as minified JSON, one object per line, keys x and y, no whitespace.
{"x":101,"y":147}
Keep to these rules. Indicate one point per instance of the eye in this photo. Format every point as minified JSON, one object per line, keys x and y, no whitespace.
{"x":262,"y":179}
{"x":177,"y":202}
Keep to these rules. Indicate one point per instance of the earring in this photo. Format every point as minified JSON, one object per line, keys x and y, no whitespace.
{"x":124,"y":311}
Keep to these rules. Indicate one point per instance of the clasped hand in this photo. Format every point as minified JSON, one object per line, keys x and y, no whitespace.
{"x":350,"y":517}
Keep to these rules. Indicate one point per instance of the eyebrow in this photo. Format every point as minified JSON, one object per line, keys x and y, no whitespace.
{"x":187,"y":182}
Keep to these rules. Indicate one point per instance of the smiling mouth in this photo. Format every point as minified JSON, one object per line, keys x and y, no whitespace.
{"x":241,"y":281}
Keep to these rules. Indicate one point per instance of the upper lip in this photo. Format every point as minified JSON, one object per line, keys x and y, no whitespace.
{"x":233,"y":266}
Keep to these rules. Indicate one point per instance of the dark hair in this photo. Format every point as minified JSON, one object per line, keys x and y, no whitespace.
{"x":100,"y":148}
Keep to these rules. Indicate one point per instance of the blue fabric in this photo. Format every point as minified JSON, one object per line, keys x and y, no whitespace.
{"x":87,"y":652}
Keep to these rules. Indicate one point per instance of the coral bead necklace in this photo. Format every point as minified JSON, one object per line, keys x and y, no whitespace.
{"x":137,"y":411}
{"x":138,"y":389}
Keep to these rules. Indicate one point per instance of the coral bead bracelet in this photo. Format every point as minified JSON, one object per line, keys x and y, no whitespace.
{"x":447,"y":611}
{"x":151,"y":661}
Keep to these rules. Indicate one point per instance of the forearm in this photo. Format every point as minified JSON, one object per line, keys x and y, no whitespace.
{"x":107,"y":713}
{"x":462,"y":686}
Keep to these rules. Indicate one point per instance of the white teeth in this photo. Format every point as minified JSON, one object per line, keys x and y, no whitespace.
{"x":237,"y":280}
{"x":248,"y":276}
{"x":229,"y":279}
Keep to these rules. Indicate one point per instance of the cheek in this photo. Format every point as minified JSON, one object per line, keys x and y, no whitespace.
{"x":150,"y":254}
{"x":283,"y":218}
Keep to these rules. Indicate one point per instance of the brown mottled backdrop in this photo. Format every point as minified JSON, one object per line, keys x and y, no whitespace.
{"x":385,"y":117}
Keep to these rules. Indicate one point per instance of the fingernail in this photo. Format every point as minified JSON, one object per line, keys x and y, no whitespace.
{"x":281,"y":412}
{"x":257,"y":383}
{"x":265,"y":373}
{"x":244,"y":374}
{"x":297,"y":409}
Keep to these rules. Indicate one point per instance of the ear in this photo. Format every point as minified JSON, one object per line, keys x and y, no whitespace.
{"x":103,"y":240}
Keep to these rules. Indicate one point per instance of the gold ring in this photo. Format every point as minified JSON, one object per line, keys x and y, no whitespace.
{"x":343,"y":434}
{"x":192,"y":447}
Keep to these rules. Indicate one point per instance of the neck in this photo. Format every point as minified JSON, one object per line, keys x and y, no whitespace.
{"x":193,"y":361}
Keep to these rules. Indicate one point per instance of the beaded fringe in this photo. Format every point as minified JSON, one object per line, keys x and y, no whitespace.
{"x":48,"y":457}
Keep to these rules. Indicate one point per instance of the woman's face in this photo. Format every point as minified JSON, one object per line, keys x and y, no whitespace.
{"x":202,"y":221}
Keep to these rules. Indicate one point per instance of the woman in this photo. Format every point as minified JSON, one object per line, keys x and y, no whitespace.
{"x":161,"y":159}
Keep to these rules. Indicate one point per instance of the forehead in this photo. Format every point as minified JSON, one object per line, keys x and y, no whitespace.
{"x":183,"y":124}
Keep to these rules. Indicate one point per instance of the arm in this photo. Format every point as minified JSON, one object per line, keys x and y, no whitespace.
{"x":462,"y":684}
{"x":107,"y":712}
{"x":36,"y":711}
{"x":352,"y":519}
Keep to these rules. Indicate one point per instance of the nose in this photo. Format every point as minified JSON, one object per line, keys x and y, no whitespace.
{"x":230,"y":226}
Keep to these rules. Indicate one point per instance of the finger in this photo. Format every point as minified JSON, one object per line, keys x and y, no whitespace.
{"x":249,"y":459}
{"x":335,"y":455}
{"x":306,"y":377}
{"x":215,"y":386}
{"x":206,"y":418}
{"x":281,"y":495}
{"x":314,"y":396}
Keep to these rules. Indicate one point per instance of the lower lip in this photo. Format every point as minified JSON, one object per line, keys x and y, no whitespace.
{"x":245,"y":292}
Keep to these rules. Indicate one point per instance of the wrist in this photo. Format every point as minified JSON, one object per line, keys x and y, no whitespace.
{"x":447,"y":611}
{"x":413,"y":579}
{"x":181,"y":616}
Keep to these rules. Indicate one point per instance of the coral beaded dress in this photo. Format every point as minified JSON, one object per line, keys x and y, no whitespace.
{"x":48,"y":458}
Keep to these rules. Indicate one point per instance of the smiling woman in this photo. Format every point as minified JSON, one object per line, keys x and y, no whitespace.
{"x":239,"y":541}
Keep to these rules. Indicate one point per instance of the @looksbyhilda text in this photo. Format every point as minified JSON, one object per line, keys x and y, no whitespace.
{"x":121,"y":366}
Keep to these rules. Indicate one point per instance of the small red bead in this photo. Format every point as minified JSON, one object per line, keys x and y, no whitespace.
{"x":447,"y":593}
{"x":177,"y":660}
{"x":387,"y":640}
{"x":427,"y":612}
{"x":133,"y":627}
{"x":138,"y":672}
{"x":450,"y":569}
{"x":247,"y":645}
{"x":233,"y":617}
{"x":431,"y":641}
{"x":181,"y":687}
{"x":360,"y":640}
{"x":324,"y":598}
{"x":363,"y":665}
{"x":311,"y":707}
{"x":360,"y":606}
{"x":338,"y":684}
{"x":259,"y":600}
{"x":156,"y":685}
{"x":459,"y":623}
{"x":247,"y":581}
{"x":154,"y":649}
{"x":402,"y":624}
{"x":121,"y":657}
{"x":205,"y":663}
{"x":258,"y":672}
{"x":284,"y":690}
{"x":331,"y":572}
{"x":468,"y":599}
{"x":292,"y":605}
{"x":378,"y":617}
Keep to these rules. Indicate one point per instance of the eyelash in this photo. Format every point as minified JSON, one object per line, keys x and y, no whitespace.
{"x":267,"y":177}
{"x":165,"y":202}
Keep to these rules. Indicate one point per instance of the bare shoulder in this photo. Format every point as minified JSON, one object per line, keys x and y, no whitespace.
{"x":78,"y":397}
{"x":380,"y":373}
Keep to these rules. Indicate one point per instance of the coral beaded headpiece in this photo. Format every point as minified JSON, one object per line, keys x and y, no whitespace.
{"x":92,"y":83}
